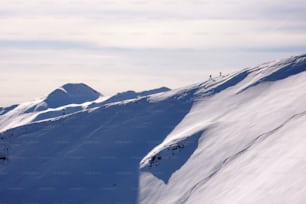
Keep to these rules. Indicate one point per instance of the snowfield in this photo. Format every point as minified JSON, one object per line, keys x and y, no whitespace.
{"x":238,"y":138}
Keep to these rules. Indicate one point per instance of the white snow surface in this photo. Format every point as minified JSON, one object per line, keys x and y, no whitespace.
{"x":237,"y":138}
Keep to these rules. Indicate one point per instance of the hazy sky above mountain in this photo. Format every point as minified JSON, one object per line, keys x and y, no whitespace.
{"x":117,"y":45}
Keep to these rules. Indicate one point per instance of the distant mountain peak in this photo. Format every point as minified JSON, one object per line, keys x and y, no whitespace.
{"x":71,"y":93}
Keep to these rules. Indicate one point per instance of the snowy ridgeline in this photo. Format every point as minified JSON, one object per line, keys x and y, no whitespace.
{"x":68,"y":99}
{"x":237,"y":138}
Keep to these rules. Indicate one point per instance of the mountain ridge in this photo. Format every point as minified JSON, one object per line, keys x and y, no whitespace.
{"x":79,"y":95}
{"x":238,"y":136}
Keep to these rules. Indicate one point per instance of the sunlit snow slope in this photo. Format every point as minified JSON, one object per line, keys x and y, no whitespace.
{"x":232,"y":139}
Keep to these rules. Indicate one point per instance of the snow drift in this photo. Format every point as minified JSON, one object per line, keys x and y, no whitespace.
{"x":237,"y":138}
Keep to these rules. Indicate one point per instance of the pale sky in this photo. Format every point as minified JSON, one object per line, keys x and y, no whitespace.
{"x":118,"y":45}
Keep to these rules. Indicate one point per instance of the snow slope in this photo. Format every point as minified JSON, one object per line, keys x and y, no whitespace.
{"x":245,"y":144}
{"x":94,"y":154}
{"x":232,"y":139}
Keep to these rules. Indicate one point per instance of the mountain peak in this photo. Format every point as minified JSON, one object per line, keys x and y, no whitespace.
{"x":71,"y":93}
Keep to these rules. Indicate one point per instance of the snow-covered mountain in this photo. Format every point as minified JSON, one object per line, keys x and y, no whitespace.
{"x":68,"y":99}
{"x":237,"y":138}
